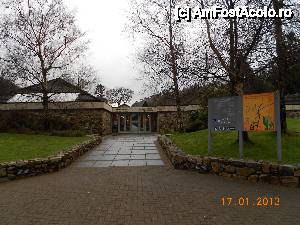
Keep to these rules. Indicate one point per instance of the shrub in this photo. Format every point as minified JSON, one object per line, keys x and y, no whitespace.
{"x":197,"y":121}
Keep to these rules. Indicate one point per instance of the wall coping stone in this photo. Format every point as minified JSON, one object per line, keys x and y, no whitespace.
{"x":92,"y":105}
{"x":255,"y":171}
{"x":55,"y":105}
{"x":26,"y":168}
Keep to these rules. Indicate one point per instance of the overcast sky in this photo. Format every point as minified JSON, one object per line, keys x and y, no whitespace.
{"x":111,"y":50}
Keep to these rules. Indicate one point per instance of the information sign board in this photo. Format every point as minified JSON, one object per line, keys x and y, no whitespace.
{"x":224,"y":113}
{"x":259,"y":112}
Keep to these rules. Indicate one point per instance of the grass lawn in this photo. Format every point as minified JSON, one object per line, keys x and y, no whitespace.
{"x":29,"y":146}
{"x":225,"y":144}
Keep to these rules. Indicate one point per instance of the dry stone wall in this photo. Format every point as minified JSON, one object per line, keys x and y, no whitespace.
{"x":293,"y":113}
{"x":91,"y":120}
{"x":105,"y":123}
{"x":28,"y":168}
{"x":286,"y":175}
{"x":168,"y":122}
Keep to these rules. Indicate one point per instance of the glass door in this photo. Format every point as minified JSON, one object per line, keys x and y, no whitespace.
{"x":125,"y":123}
{"x":122,"y":123}
{"x":128,"y":123}
{"x":147,"y":123}
{"x":142,"y":118}
{"x":134,"y":122}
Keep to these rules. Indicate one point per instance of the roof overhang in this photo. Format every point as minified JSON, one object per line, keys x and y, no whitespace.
{"x":156,"y":109}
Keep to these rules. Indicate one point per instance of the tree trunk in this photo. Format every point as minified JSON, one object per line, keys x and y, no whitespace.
{"x":175,"y":74}
{"x":281,"y":63}
{"x":236,"y":82}
{"x":239,"y":90}
{"x":45,"y":100}
{"x":45,"y":103}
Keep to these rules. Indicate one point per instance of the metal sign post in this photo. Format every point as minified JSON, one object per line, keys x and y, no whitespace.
{"x":241,"y":128}
{"x":241,"y":144}
{"x":209,"y":126}
{"x":278,"y":126}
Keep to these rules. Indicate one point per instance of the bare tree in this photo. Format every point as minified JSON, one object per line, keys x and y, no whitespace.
{"x":100,"y":91}
{"x":281,"y":61}
{"x":293,"y":57}
{"x":234,"y":43}
{"x":153,"y":19}
{"x":82,"y":75}
{"x":119,"y":95}
{"x":41,"y":39}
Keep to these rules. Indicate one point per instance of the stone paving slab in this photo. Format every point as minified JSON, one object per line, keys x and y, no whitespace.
{"x":137,"y":163}
{"x":138,"y":156}
{"x":120,"y":163}
{"x":140,"y":152}
{"x":111,"y":152}
{"x":101,"y":164}
{"x":124,"y":150}
{"x":153,"y":156}
{"x":121,"y":157}
{"x":144,"y":152}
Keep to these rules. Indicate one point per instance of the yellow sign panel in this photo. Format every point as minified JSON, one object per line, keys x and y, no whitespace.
{"x":259,"y":112}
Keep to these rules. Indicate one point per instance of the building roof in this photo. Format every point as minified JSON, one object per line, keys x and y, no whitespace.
{"x":141,"y":104}
{"x":59,"y":91}
{"x":37,"y":97}
{"x":101,"y":99}
{"x":124,"y":106}
{"x":293,"y":99}
{"x":7,"y":89}
{"x":58,"y":85}
{"x":86,"y":97}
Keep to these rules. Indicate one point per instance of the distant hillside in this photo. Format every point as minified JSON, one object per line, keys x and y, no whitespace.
{"x":194,"y":95}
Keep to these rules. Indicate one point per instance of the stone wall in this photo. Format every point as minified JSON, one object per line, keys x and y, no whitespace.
{"x":168,"y":121}
{"x":286,"y":175}
{"x":90,"y":120}
{"x":28,"y":168}
{"x":293,"y":113}
{"x":106,"y":122}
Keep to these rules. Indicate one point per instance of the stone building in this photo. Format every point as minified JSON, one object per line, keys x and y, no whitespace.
{"x":72,"y":108}
{"x":293,"y":105}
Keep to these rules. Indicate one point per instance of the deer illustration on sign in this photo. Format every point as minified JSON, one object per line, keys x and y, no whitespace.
{"x":259,"y":113}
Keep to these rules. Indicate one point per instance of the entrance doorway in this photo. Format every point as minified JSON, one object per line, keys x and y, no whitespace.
{"x":136,"y":122}
{"x":124,"y":123}
{"x":145,"y":122}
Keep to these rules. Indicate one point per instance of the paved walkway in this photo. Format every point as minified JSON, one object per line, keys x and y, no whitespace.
{"x":154,"y":195}
{"x":125,"y":150}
